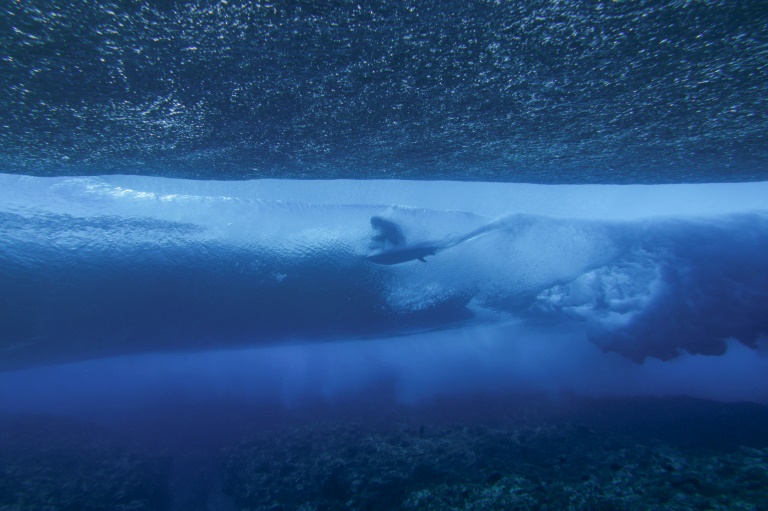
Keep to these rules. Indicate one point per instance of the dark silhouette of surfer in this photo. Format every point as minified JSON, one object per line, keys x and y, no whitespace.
{"x":391,"y":247}
{"x":387,"y":233}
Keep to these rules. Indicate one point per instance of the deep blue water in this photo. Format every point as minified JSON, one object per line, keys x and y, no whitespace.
{"x":383,"y":255}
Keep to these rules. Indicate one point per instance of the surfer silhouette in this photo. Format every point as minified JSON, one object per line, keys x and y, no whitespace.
{"x":391,"y":247}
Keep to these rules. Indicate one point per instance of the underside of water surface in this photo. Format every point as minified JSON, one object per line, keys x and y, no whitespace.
{"x":549,"y":92}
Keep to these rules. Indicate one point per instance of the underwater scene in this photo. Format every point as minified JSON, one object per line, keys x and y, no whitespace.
{"x":378,"y":255}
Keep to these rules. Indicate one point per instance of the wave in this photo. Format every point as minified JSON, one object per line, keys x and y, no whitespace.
{"x":89,"y":269}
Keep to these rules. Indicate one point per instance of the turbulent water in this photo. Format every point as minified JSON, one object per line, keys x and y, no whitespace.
{"x":96,"y":266}
{"x":552,"y":92}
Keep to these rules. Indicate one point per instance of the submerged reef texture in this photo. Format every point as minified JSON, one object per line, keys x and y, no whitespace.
{"x":54,"y":465}
{"x":338,"y":467}
{"x":632,"y":454}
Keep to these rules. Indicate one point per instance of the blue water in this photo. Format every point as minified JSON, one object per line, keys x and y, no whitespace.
{"x":621,"y":278}
{"x":380,"y":255}
{"x":550,"y":92}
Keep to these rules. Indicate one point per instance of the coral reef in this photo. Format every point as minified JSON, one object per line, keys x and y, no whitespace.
{"x":333,"y":466}
{"x":474,"y":455}
{"x":53,"y":465}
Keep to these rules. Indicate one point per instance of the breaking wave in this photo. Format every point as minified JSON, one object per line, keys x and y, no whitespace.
{"x":91,"y":268}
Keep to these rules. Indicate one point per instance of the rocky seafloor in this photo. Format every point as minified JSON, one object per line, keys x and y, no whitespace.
{"x":632,"y":454}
